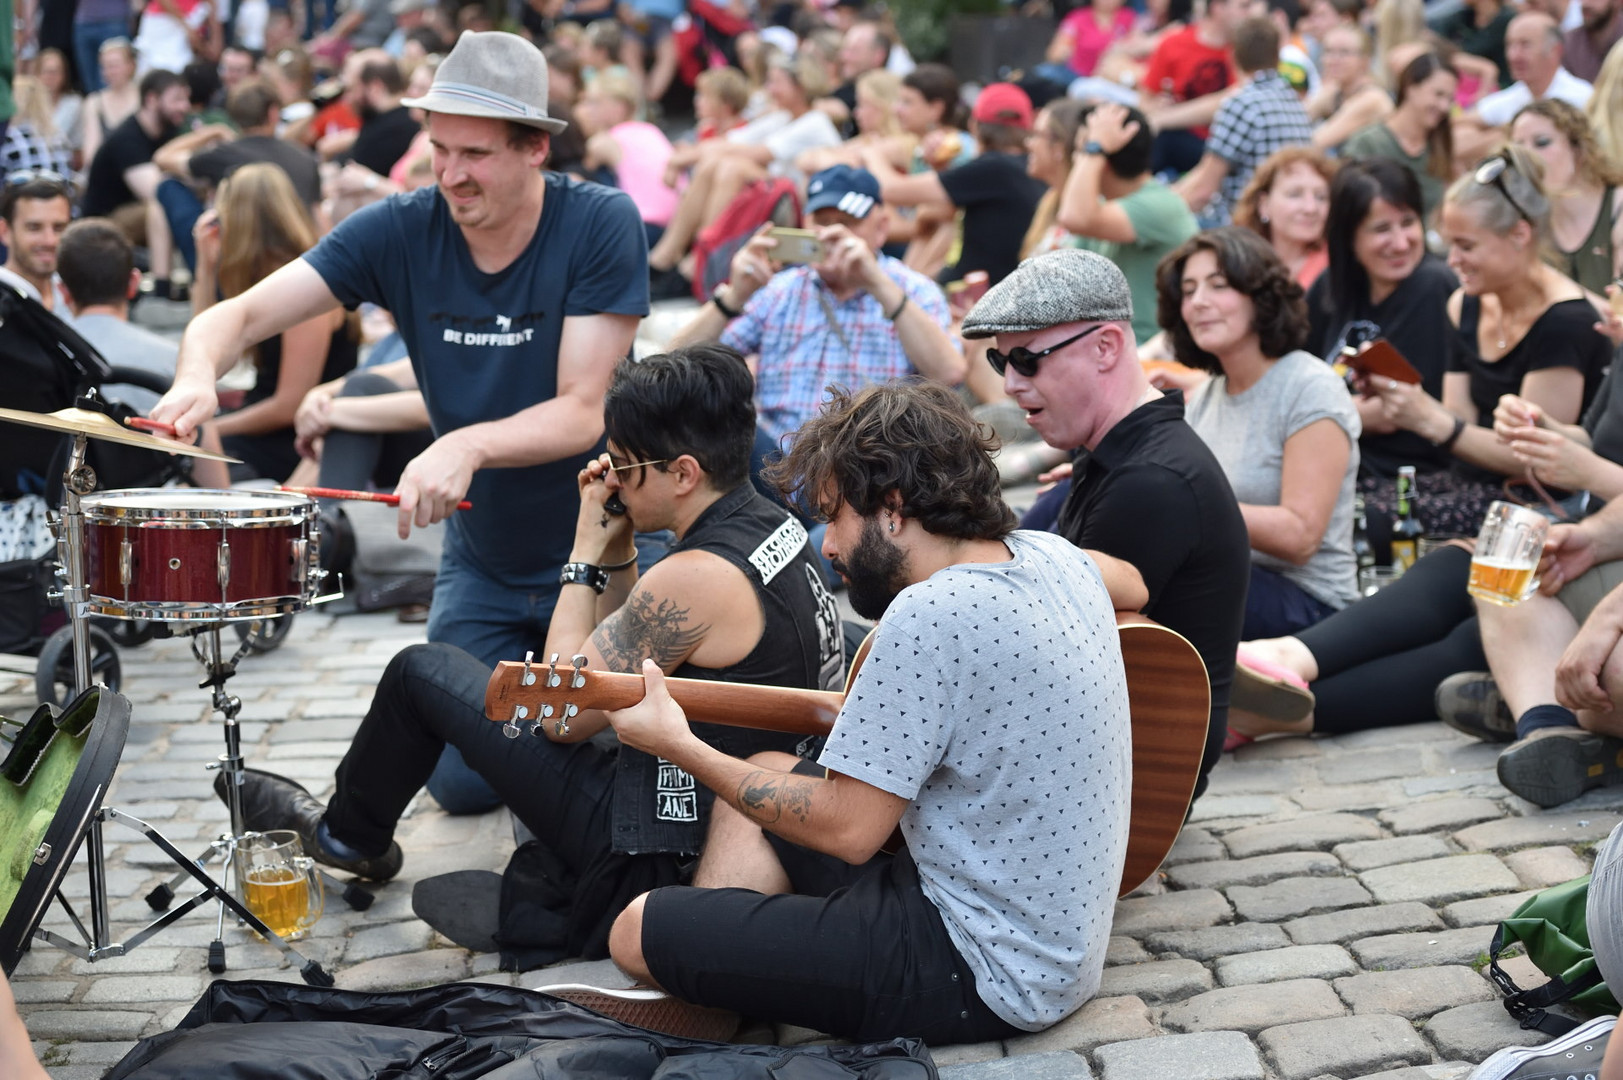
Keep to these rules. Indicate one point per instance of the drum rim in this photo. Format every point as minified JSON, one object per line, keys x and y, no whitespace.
{"x":283,"y":508}
{"x":261,"y":607}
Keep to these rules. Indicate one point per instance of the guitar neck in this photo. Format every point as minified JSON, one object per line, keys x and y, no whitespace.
{"x":768,"y":708}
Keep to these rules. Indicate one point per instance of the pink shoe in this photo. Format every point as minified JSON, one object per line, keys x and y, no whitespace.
{"x":1234,"y":740}
{"x":1267,"y":690}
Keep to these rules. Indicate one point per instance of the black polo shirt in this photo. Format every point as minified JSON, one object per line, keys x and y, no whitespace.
{"x":1152,"y":493}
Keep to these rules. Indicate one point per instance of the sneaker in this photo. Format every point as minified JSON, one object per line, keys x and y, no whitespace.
{"x":1470,"y":702}
{"x":1574,"y":1056}
{"x":668,"y":285}
{"x":652,"y":1009}
{"x":1263,"y":688}
{"x":275,"y":802}
{"x":1556,"y":765}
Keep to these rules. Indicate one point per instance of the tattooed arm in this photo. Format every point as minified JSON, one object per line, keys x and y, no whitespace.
{"x":836,"y":815}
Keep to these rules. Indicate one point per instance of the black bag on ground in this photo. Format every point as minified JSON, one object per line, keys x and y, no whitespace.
{"x":263,"y":1030}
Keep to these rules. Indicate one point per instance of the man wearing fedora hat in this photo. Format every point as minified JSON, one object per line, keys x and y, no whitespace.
{"x":516,"y":291}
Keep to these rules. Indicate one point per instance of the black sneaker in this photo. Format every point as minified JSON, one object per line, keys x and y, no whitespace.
{"x":275,"y":802}
{"x":1470,"y":702}
{"x":668,"y":285}
{"x":1574,"y":1056}
{"x":1556,"y":765}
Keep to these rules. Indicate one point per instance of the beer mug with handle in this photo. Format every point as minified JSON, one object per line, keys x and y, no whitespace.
{"x":279,"y":882}
{"x":1507,"y":553}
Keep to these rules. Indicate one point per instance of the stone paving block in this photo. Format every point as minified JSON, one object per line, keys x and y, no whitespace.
{"x":1059,"y":1065}
{"x":76,"y":1072}
{"x":1481,"y":784}
{"x":86,"y":1025}
{"x":1415,"y":993}
{"x":1254,"y":1007}
{"x":1453,"y":1070}
{"x":136,"y":989}
{"x":1189,"y":910}
{"x":1218,"y":807}
{"x":1439,"y":881}
{"x":322,"y":710}
{"x":1370,"y":854}
{"x":405,"y":971}
{"x":1194,"y":845}
{"x":1292,"y":897}
{"x":1406,"y":735}
{"x":1209,"y":1055}
{"x":963,"y":1053}
{"x":1255,"y":871}
{"x":43,"y":991}
{"x":1472,"y":1032}
{"x":1124,"y":950}
{"x":1345,"y":1046}
{"x":1329,"y":798}
{"x":1276,"y":750}
{"x":146,"y":958}
{"x":1157,"y":981}
{"x":1536,"y":830}
{"x":1256,"y":778}
{"x":1539,"y":868}
{"x":1102,"y":1020}
{"x":1277,"y":965}
{"x":1317,"y":833}
{"x":1434,"y":814}
{"x":1364,"y":766}
{"x":1218,"y":941}
{"x":1389,"y":952}
{"x":99,"y":1053}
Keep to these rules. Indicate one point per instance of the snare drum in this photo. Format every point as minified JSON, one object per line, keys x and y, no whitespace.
{"x":172,"y":555}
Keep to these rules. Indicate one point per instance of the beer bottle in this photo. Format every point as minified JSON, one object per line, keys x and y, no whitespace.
{"x":1406,"y":530}
{"x":1363,"y":551}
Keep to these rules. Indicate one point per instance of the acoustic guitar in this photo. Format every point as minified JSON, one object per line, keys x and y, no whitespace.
{"x":1168,"y":693}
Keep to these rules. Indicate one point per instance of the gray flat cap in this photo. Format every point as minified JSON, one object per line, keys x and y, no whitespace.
{"x":493,"y":74}
{"x":1064,"y":286}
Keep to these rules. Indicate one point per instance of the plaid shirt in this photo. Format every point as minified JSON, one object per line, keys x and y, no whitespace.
{"x":800,"y":354}
{"x":25,"y":150}
{"x":1264,"y":117}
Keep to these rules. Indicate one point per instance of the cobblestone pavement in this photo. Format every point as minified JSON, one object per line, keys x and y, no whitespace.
{"x":1325,"y":914}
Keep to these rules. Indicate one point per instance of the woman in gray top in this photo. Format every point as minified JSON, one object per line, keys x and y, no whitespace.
{"x":1278,"y":419}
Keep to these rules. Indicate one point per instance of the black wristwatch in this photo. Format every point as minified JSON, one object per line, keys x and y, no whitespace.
{"x":1092,"y":146}
{"x":721,"y":305}
{"x":578,"y":573}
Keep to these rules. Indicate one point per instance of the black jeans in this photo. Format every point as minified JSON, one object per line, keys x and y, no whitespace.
{"x":433,"y":695}
{"x":1380,"y":659}
{"x":351,"y":459}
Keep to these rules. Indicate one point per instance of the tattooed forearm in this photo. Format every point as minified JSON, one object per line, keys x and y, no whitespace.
{"x":647,"y":627}
{"x":765,"y":796}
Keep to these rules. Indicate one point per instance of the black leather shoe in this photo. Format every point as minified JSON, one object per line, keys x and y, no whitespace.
{"x":271,"y":802}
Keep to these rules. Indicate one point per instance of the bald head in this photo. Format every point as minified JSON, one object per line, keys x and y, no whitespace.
{"x":1533,"y":49}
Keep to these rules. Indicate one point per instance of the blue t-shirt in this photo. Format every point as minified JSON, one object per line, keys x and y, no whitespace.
{"x":485,"y":346}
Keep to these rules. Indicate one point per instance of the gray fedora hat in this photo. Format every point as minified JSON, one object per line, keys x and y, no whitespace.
{"x":1064,"y":286}
{"x":496,"y":75}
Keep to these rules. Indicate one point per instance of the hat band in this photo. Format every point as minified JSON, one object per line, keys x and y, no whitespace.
{"x":478,"y":95}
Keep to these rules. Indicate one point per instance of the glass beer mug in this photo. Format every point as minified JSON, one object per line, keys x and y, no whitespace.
{"x":1507,"y":553}
{"x":279,"y":882}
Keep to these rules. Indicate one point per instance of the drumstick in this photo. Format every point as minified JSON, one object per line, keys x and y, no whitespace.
{"x":360,"y":496}
{"x":141,"y":423}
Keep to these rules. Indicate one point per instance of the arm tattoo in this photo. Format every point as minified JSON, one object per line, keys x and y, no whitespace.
{"x":647,"y":627}
{"x":765,"y":795}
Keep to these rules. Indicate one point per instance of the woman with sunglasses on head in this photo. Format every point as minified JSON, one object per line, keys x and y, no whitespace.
{"x":1277,"y":418}
{"x":1586,"y":208}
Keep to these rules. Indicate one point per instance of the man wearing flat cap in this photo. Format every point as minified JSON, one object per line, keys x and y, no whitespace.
{"x":1145,"y":488}
{"x":516,"y":291}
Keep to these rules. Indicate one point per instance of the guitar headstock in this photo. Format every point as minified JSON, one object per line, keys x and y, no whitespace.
{"x":529,"y":692}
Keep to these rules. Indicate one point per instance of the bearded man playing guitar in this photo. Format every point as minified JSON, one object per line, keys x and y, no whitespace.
{"x":739,"y":598}
{"x":989,"y":723}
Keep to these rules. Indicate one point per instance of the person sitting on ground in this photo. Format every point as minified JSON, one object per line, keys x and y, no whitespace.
{"x":33,"y":214}
{"x":929,"y":110}
{"x":933,"y":945}
{"x":115,"y":102}
{"x":1082,"y":39}
{"x":1533,"y":47}
{"x":1417,"y":133}
{"x":1116,"y":208}
{"x":259,"y":225}
{"x":387,"y":126}
{"x":1277,"y":418}
{"x":994,"y":191}
{"x":1265,"y":116}
{"x":1048,"y":158}
{"x":33,"y":142}
{"x":1287,"y":204}
{"x":363,"y":428}
{"x":739,"y":599}
{"x":1477,"y":30}
{"x":1586,"y":208}
{"x":1351,"y":98}
{"x":122,"y":181}
{"x":67,"y":107}
{"x":634,"y":151}
{"x":767,"y":145}
{"x":865,"y":46}
{"x":876,"y":125}
{"x":1144,"y":472}
{"x":854,"y":318}
{"x":1186,"y":80}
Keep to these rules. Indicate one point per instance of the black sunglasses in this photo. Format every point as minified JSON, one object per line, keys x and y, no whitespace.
{"x":1024,"y":361}
{"x":40,"y":176}
{"x":1492,"y":172}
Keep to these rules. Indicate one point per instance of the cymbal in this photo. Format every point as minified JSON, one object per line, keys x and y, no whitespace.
{"x":101,"y":426}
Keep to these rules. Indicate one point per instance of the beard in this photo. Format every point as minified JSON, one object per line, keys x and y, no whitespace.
{"x":875,"y":573}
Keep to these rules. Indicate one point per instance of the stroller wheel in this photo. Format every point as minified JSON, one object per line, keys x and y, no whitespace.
{"x":128,"y":632}
{"x":264,"y":635}
{"x":53,"y":677}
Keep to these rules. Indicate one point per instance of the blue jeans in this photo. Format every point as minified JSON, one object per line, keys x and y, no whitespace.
{"x":88,"y":38}
{"x":182,"y":208}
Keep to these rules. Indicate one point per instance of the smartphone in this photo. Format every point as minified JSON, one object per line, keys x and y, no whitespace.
{"x":796,"y":246}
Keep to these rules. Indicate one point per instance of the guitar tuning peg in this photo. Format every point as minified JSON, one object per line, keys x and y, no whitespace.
{"x":535,"y":728}
{"x":579,"y":679}
{"x":552,"y":671}
{"x":529,"y":676}
{"x":511,"y":728}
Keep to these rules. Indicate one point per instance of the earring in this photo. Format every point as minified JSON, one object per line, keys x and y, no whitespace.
{"x":1262,"y":216}
{"x":893,"y":526}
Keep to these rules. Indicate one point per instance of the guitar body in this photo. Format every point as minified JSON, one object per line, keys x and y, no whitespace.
{"x":1169,"y":697}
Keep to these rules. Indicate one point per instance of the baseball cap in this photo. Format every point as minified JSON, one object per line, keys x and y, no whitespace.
{"x":1003,"y":103}
{"x":854,"y":191}
{"x":493,"y":74}
{"x":1063,"y":286}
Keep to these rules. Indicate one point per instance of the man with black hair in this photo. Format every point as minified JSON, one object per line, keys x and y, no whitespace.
{"x":33,"y":215}
{"x":210,"y":152}
{"x":738,"y":599}
{"x":387,"y":127}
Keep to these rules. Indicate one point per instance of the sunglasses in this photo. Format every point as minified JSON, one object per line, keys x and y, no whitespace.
{"x":28,"y":176}
{"x":1024,"y":361}
{"x":618,"y":469}
{"x":1492,"y":172}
